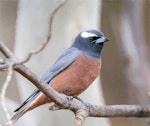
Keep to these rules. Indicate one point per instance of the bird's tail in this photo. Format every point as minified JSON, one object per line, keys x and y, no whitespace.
{"x":20,"y":111}
{"x":17,"y":115}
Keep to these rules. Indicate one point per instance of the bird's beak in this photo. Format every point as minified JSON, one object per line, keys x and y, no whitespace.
{"x":102,"y":39}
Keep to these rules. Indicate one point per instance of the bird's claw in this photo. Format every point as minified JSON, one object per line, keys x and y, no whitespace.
{"x":89,"y":106}
{"x":70,"y":98}
{"x":54,"y":107}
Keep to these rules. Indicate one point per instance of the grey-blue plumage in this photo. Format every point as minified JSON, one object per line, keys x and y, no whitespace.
{"x":61,"y":63}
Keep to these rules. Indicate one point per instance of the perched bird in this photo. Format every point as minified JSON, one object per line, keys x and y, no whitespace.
{"x":72,"y":72}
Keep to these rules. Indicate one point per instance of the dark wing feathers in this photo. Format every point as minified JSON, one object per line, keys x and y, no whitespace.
{"x":67,"y":58}
{"x":24,"y":104}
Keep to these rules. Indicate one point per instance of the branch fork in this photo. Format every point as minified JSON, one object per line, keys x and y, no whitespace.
{"x":80,"y":108}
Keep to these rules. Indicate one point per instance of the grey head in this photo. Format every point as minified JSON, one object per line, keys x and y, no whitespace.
{"x":90,"y":42}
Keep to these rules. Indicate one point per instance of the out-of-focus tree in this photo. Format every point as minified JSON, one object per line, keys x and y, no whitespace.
{"x":125,"y":77}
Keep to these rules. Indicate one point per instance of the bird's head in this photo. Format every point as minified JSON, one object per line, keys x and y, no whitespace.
{"x":90,"y":42}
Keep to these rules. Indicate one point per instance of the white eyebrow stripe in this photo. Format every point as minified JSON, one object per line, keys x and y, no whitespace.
{"x":87,"y":34}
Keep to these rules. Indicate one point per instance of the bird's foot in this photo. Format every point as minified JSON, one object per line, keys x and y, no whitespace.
{"x":55,"y":107}
{"x":81,"y":100}
{"x":88,"y":105}
{"x":70,"y":98}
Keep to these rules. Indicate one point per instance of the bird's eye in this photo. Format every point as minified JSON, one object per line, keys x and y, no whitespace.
{"x":93,"y":38}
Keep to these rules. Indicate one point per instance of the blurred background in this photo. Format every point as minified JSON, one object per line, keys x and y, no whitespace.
{"x":125,"y":71}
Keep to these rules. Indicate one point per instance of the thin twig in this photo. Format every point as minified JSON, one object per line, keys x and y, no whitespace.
{"x":7,"y":53}
{"x":3,"y":92}
{"x":2,"y":61}
{"x":49,"y":34}
{"x":4,"y":66}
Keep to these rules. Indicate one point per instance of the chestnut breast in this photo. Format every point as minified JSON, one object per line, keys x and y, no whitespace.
{"x":77,"y":77}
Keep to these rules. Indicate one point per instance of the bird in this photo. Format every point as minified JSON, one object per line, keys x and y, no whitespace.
{"x":72,"y":73}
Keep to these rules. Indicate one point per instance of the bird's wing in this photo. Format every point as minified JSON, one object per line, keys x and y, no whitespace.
{"x":65,"y":60}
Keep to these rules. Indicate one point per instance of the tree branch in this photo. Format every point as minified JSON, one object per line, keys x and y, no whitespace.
{"x":3,"y":92}
{"x":6,"y":52}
